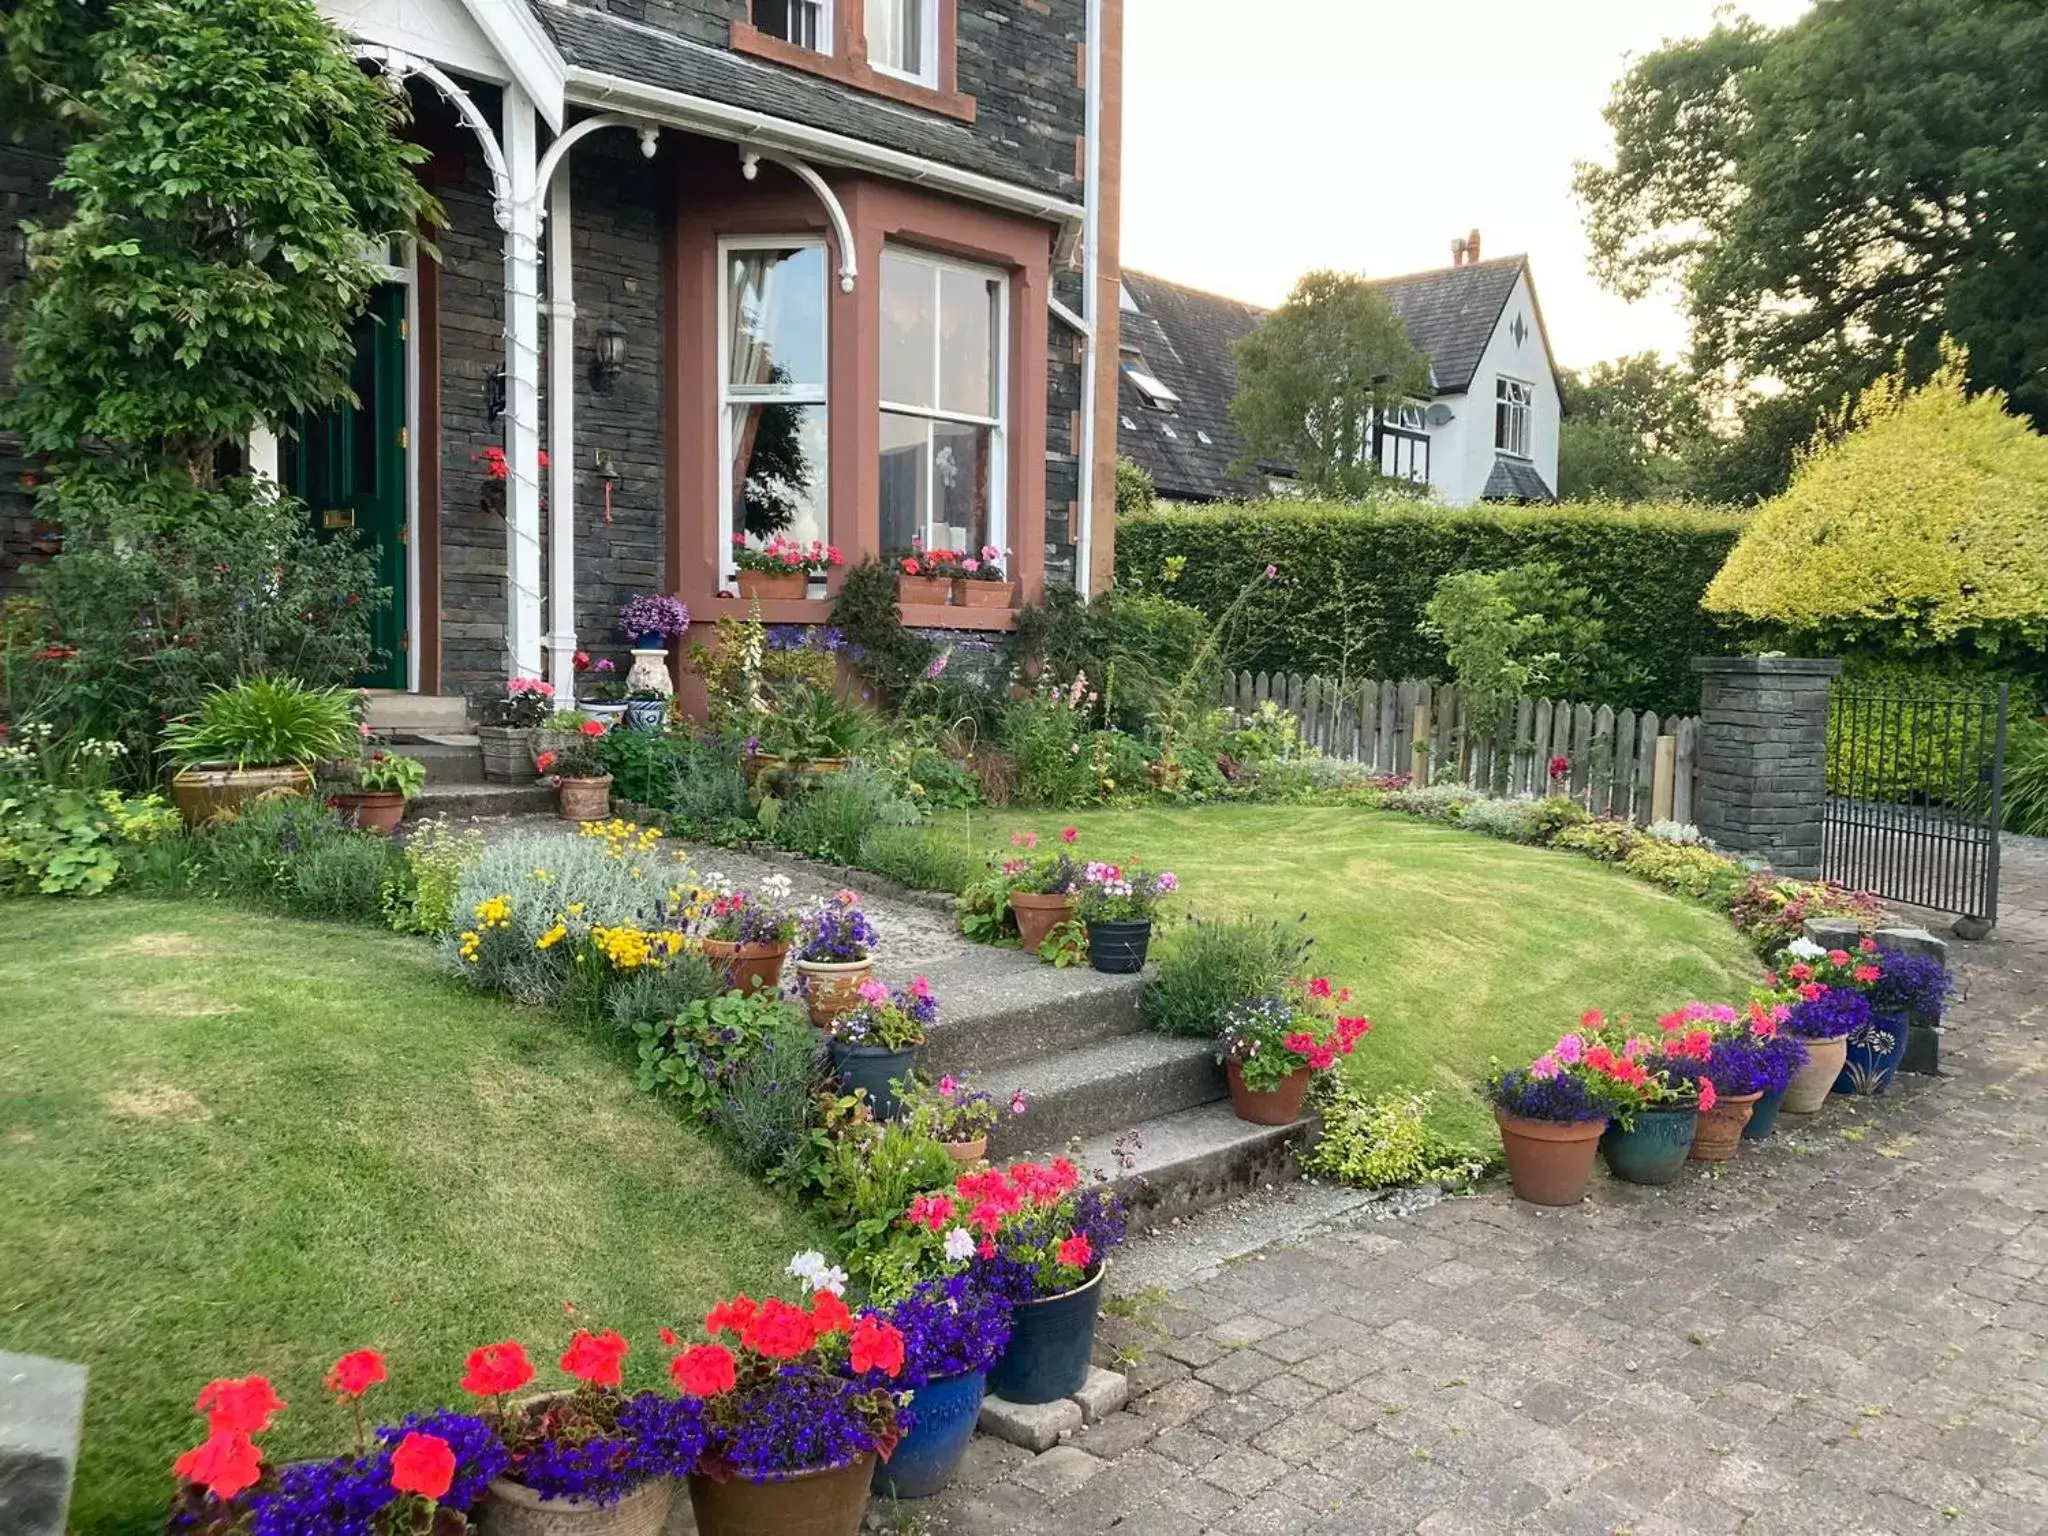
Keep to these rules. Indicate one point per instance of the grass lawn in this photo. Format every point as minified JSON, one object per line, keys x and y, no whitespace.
{"x":233,"y":1144}
{"x":1462,"y":948}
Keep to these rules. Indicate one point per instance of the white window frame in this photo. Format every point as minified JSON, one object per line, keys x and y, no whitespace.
{"x":1518,"y":396}
{"x":1158,"y":395}
{"x":928,"y":50}
{"x":823,"y":10}
{"x":807,"y":394}
{"x":999,"y":435}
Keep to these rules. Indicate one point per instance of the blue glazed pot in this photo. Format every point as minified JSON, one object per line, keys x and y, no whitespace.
{"x":1654,"y":1149}
{"x":647,"y":642}
{"x":1764,"y":1118}
{"x":873,"y":1067}
{"x":943,"y":1415}
{"x":1051,"y":1342}
{"x":1869,"y":1070}
{"x":646,"y":714}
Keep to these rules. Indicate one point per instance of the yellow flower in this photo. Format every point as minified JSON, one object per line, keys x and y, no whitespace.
{"x":575,"y":909}
{"x":495,"y":912}
{"x":543,"y":877}
{"x":552,"y":937}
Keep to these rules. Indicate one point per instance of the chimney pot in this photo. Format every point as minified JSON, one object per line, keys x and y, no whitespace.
{"x":1458,"y":252}
{"x":1472,"y":247}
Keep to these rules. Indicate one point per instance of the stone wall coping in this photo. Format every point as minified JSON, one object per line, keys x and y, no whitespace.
{"x":1766,"y":666}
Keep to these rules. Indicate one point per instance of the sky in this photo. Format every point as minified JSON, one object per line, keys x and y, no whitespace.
{"x":1263,"y":141}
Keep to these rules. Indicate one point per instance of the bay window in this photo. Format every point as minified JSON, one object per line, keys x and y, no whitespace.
{"x":944,"y":403}
{"x":773,"y":346}
{"x":903,"y":39}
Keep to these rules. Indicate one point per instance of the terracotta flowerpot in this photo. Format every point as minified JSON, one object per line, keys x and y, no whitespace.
{"x":832,"y":989}
{"x":926,"y":591}
{"x":1038,"y":914}
{"x":771,"y":586}
{"x":754,"y":969}
{"x":967,"y":1153}
{"x":981,"y":594}
{"x":1550,"y":1162}
{"x":829,"y":1502}
{"x":509,"y":752}
{"x":509,"y":1509}
{"x":1812,"y":1083}
{"x":1720,"y":1128}
{"x":206,"y":792}
{"x":1272,"y":1106}
{"x":370,"y":810}
{"x":584,"y":799}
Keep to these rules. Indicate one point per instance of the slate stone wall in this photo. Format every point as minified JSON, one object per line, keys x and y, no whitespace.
{"x":25,"y":172}
{"x":1763,"y":757}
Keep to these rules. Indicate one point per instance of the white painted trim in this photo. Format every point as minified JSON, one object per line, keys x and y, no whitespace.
{"x":1091,"y":306}
{"x":529,"y":53}
{"x":849,"y":256}
{"x":413,"y":595}
{"x":561,"y":640}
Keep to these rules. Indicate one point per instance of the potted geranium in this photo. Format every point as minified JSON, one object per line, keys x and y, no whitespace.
{"x":1118,"y":903}
{"x":1651,"y":1134}
{"x":1043,"y":890}
{"x":925,"y":576}
{"x":747,"y":935}
{"x":560,"y":730}
{"x":583,"y":786}
{"x":1911,"y":989}
{"x":798,"y":1403}
{"x":874,"y":1043}
{"x":958,"y":1114}
{"x":835,"y":953}
{"x":602,"y":695}
{"x":1736,"y":1068}
{"x":781,"y":568}
{"x":372,"y":788}
{"x":256,"y":737}
{"x":1823,"y":1018}
{"x":1041,"y":1239}
{"x":1552,"y":1113}
{"x":1780,"y":1055}
{"x":650,"y":619}
{"x":1271,"y":1047}
{"x":982,"y":581}
{"x":953,"y":1331}
{"x":510,"y":726}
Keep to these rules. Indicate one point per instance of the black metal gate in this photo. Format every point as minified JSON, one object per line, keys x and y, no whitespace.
{"x":1916,"y":775}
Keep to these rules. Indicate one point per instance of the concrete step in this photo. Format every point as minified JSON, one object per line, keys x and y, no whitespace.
{"x":458,"y":801}
{"x":449,"y":759}
{"x":1099,"y":1089}
{"x":998,"y":1015}
{"x":1194,"y":1159}
{"x":391,"y":712}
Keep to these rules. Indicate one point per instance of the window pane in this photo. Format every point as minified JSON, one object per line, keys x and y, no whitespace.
{"x":778,"y":471}
{"x":969,"y":311}
{"x":909,"y":331}
{"x":961,"y":476}
{"x":906,"y":499}
{"x":775,"y":304}
{"x":896,"y":35}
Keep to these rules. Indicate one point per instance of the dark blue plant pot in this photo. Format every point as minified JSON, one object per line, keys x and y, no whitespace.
{"x":1051,"y":1342}
{"x":872,"y":1067}
{"x":1763,"y":1119}
{"x":943,"y":1415}
{"x":1118,"y":949}
{"x":1869,"y":1071}
{"x":646,"y":714}
{"x":1653,"y":1150}
{"x":648,"y":642}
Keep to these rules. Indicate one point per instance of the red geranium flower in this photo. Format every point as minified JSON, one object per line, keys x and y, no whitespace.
{"x":592,"y":728}
{"x":423,"y":1464}
{"x":1866,"y":973}
{"x":829,"y":1314}
{"x":731,"y":1316}
{"x":1077,"y":1251}
{"x":224,"y":1465}
{"x":595,"y":1357}
{"x":238,"y":1406}
{"x":355,"y":1373}
{"x":780,"y":1331}
{"x":704,"y":1371}
{"x":496,"y":1369}
{"x":877,"y":1346}
{"x":544,"y":762}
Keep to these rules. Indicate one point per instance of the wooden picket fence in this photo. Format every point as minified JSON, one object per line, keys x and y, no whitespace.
{"x":1619,"y":762}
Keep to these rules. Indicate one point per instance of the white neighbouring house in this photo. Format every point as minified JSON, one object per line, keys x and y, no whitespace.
{"x":1488,"y":432}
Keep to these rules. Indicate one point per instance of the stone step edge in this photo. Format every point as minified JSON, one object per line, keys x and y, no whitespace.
{"x":1211,"y":1157}
{"x":1038,"y":1427}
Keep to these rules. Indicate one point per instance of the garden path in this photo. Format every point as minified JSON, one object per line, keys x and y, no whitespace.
{"x":1847,"y":1331}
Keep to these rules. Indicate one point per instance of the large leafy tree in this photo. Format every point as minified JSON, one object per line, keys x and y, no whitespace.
{"x":1312,"y":379}
{"x":1630,"y":427}
{"x":1842,"y":191}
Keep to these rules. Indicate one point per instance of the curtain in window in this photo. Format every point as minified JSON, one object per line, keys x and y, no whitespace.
{"x":896,"y":35}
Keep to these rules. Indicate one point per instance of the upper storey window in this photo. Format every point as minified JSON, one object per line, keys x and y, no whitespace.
{"x":903,"y":39}
{"x":806,"y":23}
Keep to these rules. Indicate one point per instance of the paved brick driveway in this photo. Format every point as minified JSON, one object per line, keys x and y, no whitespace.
{"x":1845,"y":1333}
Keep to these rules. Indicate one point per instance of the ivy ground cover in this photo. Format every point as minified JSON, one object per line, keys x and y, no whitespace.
{"x":1461,"y":948}
{"x":234,"y":1144}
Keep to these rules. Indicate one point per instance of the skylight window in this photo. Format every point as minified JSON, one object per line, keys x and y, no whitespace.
{"x":1148,"y":383}
{"x":1125,"y":302}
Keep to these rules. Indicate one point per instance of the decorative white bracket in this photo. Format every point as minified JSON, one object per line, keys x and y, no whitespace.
{"x":849,"y":259}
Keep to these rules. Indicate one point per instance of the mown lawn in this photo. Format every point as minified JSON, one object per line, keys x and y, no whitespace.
{"x":1461,"y":948}
{"x":233,"y":1144}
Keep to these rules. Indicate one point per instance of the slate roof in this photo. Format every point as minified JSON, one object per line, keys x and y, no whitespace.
{"x":1451,"y":312}
{"x":1515,"y":480}
{"x":613,"y":45}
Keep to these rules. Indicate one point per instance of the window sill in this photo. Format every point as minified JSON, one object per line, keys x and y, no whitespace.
{"x":752,"y":41}
{"x":805,"y":610}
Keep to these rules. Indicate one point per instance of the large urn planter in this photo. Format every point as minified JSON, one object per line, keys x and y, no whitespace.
{"x":1720,"y":1128}
{"x":1763,"y":1119}
{"x":1812,"y":1083}
{"x":981,"y":594}
{"x":829,"y":1502}
{"x":1052,"y":1341}
{"x":943,"y":1416}
{"x":927,"y":591}
{"x":1038,"y":914}
{"x":370,"y":810}
{"x":875,"y":1068}
{"x":584,"y":799}
{"x":509,"y":752}
{"x":1868,"y":1068}
{"x":754,"y":969}
{"x":774,"y":586}
{"x":1550,"y":1162}
{"x":1272,"y":1106}
{"x":1118,"y":948}
{"x":1654,"y":1148}
{"x":832,"y":988}
{"x":511,"y":1509}
{"x":204,"y":792}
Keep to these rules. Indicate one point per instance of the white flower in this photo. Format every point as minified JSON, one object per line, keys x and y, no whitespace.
{"x":959,"y":1244}
{"x":1803,"y":948}
{"x":812,"y":1268}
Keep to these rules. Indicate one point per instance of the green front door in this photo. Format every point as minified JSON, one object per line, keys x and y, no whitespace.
{"x":348,"y":464}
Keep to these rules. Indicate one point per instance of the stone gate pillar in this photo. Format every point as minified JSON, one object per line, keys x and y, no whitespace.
{"x":1762,"y":757}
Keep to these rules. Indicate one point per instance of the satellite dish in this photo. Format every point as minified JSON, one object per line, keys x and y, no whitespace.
{"x":1439,"y":416}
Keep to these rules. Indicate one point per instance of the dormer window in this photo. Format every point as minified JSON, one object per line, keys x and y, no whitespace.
{"x":1148,"y":383}
{"x":903,"y":39}
{"x":806,"y":23}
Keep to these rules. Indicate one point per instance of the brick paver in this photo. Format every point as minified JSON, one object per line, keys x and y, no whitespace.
{"x":1844,"y":1332}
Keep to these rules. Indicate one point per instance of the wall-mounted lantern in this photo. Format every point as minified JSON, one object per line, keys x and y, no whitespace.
{"x":610,"y":361}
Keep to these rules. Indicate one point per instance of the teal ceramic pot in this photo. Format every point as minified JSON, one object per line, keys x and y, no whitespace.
{"x":1653,"y":1150}
{"x":1764,"y":1118}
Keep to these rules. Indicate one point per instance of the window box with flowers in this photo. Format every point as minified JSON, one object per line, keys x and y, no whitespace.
{"x":983,"y":580}
{"x":925,"y":576}
{"x":782,"y":568}
{"x":1272,"y":1047}
{"x":583,"y":787}
{"x":874,"y":1043}
{"x":1552,"y":1113}
{"x":1118,"y":904}
{"x":835,"y":955}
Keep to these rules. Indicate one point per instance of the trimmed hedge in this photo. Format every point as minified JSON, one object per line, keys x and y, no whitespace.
{"x":1353,"y":580}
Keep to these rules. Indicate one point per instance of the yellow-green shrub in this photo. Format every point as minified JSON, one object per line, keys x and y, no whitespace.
{"x":1690,"y":870}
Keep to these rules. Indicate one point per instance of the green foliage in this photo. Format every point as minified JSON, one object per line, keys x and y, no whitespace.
{"x":769,"y":1107}
{"x":891,"y":658}
{"x":1903,"y":739}
{"x":1353,"y":581}
{"x":809,"y":725}
{"x":1135,"y":491}
{"x":264,"y":721}
{"x":1609,"y":841}
{"x":864,"y":1176}
{"x":71,"y":842}
{"x":2026,"y":778}
{"x":390,"y":773}
{"x":281,"y":853}
{"x":1631,"y":429}
{"x":1525,"y":630}
{"x":420,"y":898}
{"x":1212,"y":963}
{"x":660,"y":994}
{"x":1377,"y":1143}
{"x":1048,"y":735}
{"x":833,"y":816}
{"x":1314,"y":377}
{"x":1136,"y":649}
{"x":1691,"y":871}
{"x":983,"y":910}
{"x":922,"y":858}
{"x":1513,"y":821}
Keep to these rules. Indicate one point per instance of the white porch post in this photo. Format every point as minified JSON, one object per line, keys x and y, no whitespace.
{"x":561,"y":440}
{"x":522,"y":390}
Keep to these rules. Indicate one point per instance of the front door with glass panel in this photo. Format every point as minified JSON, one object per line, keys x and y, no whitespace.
{"x":348,"y":465}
